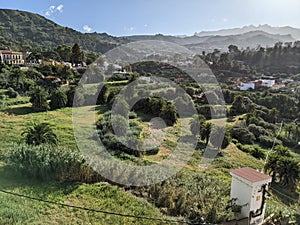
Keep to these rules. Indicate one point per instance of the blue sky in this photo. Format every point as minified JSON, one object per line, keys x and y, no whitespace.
{"x":127,"y":17}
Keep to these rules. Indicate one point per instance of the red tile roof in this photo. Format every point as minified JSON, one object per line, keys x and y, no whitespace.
{"x":250,"y":174}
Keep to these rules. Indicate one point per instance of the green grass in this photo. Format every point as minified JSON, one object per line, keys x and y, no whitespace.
{"x":16,"y":118}
{"x":100,"y":196}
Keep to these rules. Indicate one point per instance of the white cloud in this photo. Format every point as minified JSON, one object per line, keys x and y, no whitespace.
{"x":60,"y":8}
{"x":87,"y":28}
{"x":53,"y":9}
{"x":146,"y":25}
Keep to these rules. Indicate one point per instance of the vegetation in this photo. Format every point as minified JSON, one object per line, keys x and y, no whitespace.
{"x":48,"y":153}
{"x":24,"y":34}
{"x":38,"y":134}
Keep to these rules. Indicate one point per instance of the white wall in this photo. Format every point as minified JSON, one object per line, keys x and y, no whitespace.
{"x":242,"y":192}
{"x":251,"y":193}
{"x":247,"y":86}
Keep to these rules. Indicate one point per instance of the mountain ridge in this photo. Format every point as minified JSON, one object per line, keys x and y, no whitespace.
{"x":24,"y":31}
{"x":283,"y":30}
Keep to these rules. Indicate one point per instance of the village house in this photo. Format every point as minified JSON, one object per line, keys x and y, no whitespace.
{"x":12,"y":57}
{"x":256,"y":84}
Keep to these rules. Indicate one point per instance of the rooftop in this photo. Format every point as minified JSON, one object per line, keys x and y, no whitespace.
{"x":250,"y":174}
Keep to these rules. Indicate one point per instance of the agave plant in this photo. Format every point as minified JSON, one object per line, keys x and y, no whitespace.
{"x":39,"y":133}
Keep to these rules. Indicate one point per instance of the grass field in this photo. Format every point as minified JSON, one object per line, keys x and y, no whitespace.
{"x":103,"y":196}
{"x":100,"y":196}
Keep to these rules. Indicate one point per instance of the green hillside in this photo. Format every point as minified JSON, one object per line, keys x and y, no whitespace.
{"x":21,"y":30}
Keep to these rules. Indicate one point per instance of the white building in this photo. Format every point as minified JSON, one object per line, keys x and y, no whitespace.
{"x":250,"y":188}
{"x":268,"y":83}
{"x":246,"y":86}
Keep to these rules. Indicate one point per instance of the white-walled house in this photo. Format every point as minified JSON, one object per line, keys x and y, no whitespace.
{"x":268,"y":83}
{"x":246,"y":86}
{"x":256,"y":84}
{"x":250,"y":188}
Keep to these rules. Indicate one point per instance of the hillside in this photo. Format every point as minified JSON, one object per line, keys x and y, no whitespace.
{"x":24,"y":30}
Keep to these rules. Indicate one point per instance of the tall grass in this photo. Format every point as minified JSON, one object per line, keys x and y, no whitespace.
{"x":48,"y":162}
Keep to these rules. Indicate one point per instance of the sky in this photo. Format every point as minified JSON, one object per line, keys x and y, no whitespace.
{"x":174,"y":17}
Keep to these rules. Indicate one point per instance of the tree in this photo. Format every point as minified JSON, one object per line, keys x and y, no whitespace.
{"x":66,"y":73}
{"x":64,"y":52}
{"x":39,"y":99}
{"x":17,"y":75}
{"x":280,"y":164}
{"x":273,"y":113}
{"x":39,"y":133}
{"x":58,"y":99}
{"x":91,"y":57}
{"x":238,"y":106}
{"x":205,"y":132}
{"x":77,"y":55}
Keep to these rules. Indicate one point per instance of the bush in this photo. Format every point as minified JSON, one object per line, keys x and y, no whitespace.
{"x":254,"y":151}
{"x":106,"y":134}
{"x":258,"y":153}
{"x":11,"y":93}
{"x":234,"y":141}
{"x":243,"y":135}
{"x":132,"y":115}
{"x":267,"y":142}
{"x":257,"y":130}
{"x":47,"y":162}
{"x":58,"y":99}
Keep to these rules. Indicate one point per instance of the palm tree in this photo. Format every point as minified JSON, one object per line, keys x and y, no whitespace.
{"x":39,"y":99}
{"x":289,"y":172}
{"x":39,"y":133}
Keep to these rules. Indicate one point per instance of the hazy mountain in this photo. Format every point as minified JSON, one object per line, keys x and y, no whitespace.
{"x":287,"y":30}
{"x":208,"y":43}
{"x":24,"y":30}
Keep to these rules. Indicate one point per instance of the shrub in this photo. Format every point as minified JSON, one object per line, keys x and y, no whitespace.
{"x":132,"y":115}
{"x":267,"y":141}
{"x":258,"y":153}
{"x":257,"y":130}
{"x":242,"y":135}
{"x":47,"y":162}
{"x":11,"y":93}
{"x":254,"y":151}
{"x":106,"y":134}
{"x":58,"y":99}
{"x":234,"y":141}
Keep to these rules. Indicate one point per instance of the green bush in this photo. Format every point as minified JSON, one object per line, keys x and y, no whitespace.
{"x":58,"y":99}
{"x":243,"y":135}
{"x":255,"y":151}
{"x":267,"y":141}
{"x":257,"y":130}
{"x":47,"y":162}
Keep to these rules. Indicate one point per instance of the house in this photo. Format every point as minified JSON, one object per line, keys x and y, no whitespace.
{"x":12,"y":57}
{"x":268,"y":83}
{"x":250,"y":189}
{"x":246,"y":86}
{"x":256,"y":84}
